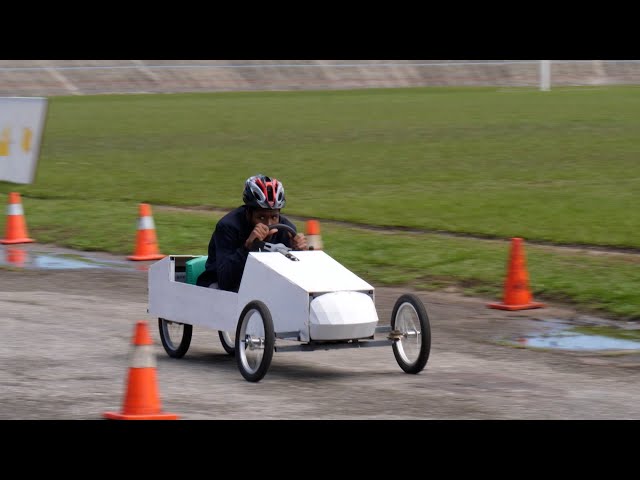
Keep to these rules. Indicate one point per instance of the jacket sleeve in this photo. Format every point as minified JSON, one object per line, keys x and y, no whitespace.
{"x":231,"y":257}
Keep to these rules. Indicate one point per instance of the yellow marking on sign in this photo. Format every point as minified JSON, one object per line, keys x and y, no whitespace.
{"x":27,"y":134}
{"x":4,"y":142}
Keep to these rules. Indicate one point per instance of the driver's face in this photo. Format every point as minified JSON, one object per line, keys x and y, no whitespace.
{"x":267,"y":217}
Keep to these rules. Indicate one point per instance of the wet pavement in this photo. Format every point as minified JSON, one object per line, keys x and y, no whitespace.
{"x":39,"y":256}
{"x":569,"y":340}
{"x":32,"y":256}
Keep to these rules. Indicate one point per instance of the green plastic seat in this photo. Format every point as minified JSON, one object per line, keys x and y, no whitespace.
{"x":195,"y":267}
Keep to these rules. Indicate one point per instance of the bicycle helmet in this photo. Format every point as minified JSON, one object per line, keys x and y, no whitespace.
{"x":263,"y":192}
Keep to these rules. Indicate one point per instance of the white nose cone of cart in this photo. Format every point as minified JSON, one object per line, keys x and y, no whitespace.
{"x":339,"y":315}
{"x":312,"y":295}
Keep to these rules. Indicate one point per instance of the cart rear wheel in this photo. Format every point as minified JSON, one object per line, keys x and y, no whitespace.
{"x":255,"y":341}
{"x":176,"y":337}
{"x":228,"y":341}
{"x":410,"y":325}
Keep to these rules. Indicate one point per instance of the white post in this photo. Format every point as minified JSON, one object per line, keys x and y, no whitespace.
{"x":545,"y":75}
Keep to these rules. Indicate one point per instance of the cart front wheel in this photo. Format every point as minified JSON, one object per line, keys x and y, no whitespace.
{"x":255,"y":341}
{"x":176,"y":337}
{"x":412,"y":331}
{"x":228,"y":342}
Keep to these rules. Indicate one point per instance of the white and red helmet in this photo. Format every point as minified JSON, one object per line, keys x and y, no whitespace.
{"x":263,"y":192}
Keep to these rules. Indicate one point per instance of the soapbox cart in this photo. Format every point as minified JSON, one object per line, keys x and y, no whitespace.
{"x":306,"y":299}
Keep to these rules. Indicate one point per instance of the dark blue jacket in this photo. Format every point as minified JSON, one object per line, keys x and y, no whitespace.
{"x":227,"y":255}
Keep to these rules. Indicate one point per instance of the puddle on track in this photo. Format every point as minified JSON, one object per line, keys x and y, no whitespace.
{"x":569,"y":340}
{"x":49,"y":258}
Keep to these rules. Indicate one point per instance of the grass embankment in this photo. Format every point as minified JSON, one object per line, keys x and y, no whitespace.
{"x":558,"y":166}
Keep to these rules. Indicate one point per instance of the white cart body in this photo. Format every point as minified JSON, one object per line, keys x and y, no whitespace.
{"x":311,"y":298}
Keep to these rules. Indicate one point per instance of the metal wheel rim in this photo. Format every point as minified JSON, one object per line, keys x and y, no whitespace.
{"x":408,"y":323}
{"x":173,"y":333}
{"x":252,"y":338}
{"x":229,"y":339}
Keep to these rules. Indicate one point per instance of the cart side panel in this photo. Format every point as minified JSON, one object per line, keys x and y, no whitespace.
{"x":172,"y":299}
{"x":287,"y":302}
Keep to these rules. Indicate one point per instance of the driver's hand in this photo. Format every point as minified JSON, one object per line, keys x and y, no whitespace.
{"x":259,"y":232}
{"x":299,"y":242}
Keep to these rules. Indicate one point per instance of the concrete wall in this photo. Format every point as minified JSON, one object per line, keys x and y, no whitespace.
{"x":83,"y":77}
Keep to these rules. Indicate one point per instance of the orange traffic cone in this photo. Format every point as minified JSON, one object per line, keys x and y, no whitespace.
{"x":146,"y":241}
{"x":314,"y":240}
{"x":141,"y":402}
{"x":16,"y":225}
{"x":516,"y":288}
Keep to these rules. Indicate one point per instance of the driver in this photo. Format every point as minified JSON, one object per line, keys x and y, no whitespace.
{"x":235,"y":233}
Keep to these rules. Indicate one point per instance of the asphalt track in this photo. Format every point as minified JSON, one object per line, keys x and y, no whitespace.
{"x":67,"y":342}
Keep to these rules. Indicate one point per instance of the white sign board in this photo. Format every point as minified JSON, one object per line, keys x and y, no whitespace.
{"x":21,"y":127}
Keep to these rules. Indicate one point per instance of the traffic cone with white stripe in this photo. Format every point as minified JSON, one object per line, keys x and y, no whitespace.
{"x":141,"y":401}
{"x":146,"y":241}
{"x":312,"y":232}
{"x":16,"y":226}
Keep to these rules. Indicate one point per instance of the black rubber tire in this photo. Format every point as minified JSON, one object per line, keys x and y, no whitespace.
{"x":419,"y":363}
{"x":230,"y":348}
{"x":173,"y":350}
{"x":255,"y":375}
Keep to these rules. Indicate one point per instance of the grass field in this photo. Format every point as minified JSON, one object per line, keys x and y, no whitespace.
{"x":557,"y":167}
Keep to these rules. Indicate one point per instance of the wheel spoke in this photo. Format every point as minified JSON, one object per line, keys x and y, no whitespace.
{"x":409,"y":344}
{"x":174,"y":333}
{"x":253,"y":343}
